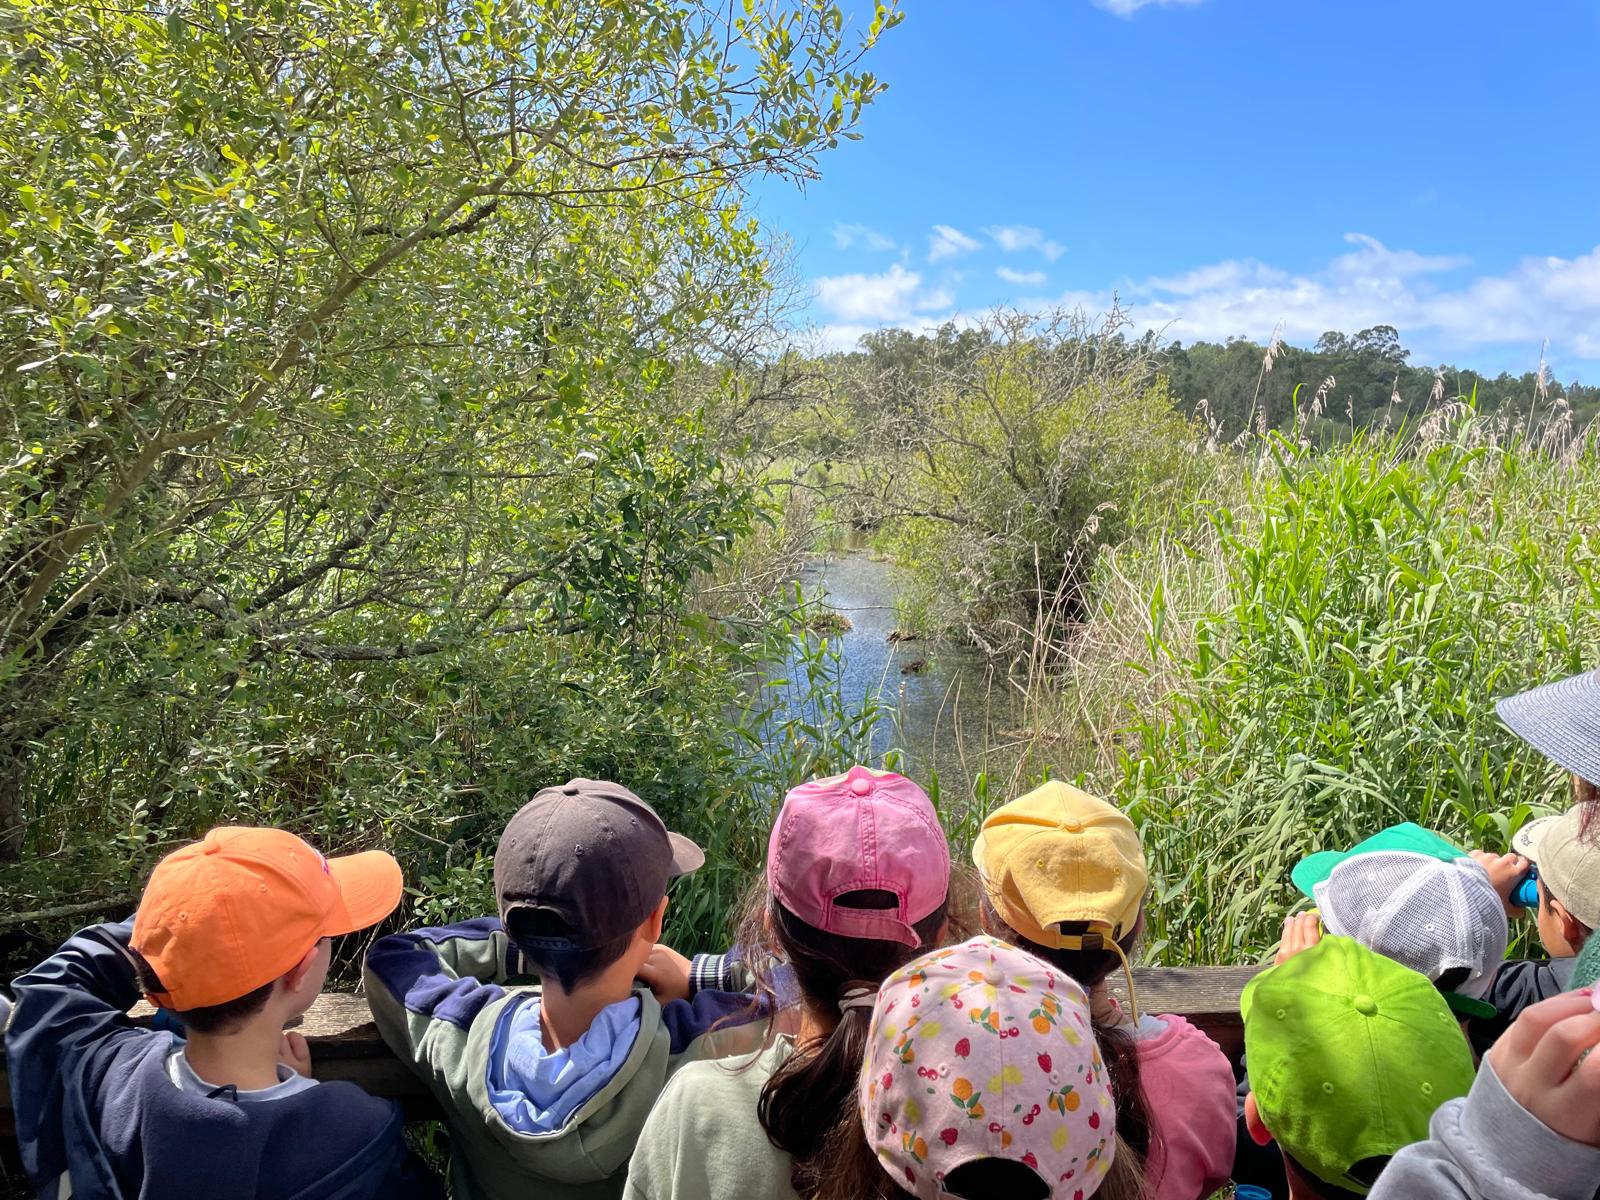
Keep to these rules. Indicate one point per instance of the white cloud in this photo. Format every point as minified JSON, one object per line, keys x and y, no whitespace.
{"x":1126,"y":8}
{"x":1217,"y":276}
{"x":893,"y":297}
{"x":947,"y":242}
{"x":1374,"y":258}
{"x":1441,"y":307}
{"x":1021,"y":278}
{"x":847,"y":235}
{"x":1012,"y":238}
{"x":1428,"y":298}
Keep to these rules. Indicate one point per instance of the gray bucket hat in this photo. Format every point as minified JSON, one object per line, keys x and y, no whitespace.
{"x":1561,"y":720}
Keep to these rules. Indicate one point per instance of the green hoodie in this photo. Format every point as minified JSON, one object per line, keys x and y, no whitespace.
{"x":438,"y":997}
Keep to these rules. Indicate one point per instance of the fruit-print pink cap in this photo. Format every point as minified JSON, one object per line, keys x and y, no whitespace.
{"x":983,"y":1051}
{"x":864,"y":830}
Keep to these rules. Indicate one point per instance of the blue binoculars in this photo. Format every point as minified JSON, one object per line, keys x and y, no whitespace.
{"x":1526,"y":893}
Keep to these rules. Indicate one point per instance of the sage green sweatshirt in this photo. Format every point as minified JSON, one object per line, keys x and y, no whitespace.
{"x":441,"y":999}
{"x":703,"y":1141}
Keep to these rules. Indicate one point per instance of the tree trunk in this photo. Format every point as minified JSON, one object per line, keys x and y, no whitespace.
{"x":12,"y":825}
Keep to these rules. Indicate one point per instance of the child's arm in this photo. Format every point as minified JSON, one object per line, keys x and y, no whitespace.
{"x":73,"y":1004}
{"x":671,"y":976}
{"x":1530,"y":1127}
{"x":426,"y":987}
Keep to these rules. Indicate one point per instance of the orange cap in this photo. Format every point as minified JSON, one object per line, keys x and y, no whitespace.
{"x":240,"y":907}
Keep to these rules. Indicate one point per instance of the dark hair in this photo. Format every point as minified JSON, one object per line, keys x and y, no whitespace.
{"x":1452,"y":979}
{"x":808,"y":1106}
{"x":1546,"y":896}
{"x":1091,"y":968}
{"x":1303,"y":1183}
{"x":566,"y":968}
{"x":1587,"y":796}
{"x":213,"y":1018}
{"x":986,"y":1178}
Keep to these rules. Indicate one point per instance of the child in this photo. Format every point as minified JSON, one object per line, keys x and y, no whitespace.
{"x":1064,"y":878}
{"x":232,"y":935}
{"x":1530,"y":1127}
{"x":545,"y":1087}
{"x":982,"y":1079}
{"x":1350,"y":1054}
{"x":1405,"y":893}
{"x":1562,"y":721}
{"x":1568,"y":882}
{"x":1437,"y":913}
{"x":858,"y":875}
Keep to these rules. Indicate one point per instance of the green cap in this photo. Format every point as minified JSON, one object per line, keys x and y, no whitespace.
{"x":1349,"y":1053}
{"x":1413,"y":839}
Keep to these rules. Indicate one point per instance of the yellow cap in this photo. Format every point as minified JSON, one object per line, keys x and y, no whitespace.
{"x":1059,"y":854}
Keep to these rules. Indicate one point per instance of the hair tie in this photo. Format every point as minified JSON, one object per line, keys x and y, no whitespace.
{"x":857,"y":994}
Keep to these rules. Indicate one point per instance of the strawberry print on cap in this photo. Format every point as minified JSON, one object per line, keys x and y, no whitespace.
{"x":982,"y":1051}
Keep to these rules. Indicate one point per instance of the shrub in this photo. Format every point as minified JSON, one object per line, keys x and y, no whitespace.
{"x":1017,"y":462}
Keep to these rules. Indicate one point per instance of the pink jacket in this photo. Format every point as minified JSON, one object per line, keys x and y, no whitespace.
{"x":1189,"y":1088}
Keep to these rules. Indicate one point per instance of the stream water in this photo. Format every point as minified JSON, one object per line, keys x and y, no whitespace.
{"x":950,"y":710}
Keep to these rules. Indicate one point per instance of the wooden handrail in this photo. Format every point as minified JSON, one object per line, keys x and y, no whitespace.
{"x":345,"y":1043}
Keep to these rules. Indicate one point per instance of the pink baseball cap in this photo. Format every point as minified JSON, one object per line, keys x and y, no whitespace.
{"x":863,"y":830}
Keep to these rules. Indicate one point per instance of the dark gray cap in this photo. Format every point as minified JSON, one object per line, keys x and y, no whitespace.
{"x":1561,"y":720}
{"x":592,"y":854}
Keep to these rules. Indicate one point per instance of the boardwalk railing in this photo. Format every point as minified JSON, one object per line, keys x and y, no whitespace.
{"x":345,"y":1043}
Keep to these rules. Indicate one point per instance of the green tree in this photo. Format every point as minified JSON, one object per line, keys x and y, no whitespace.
{"x":330,"y":333}
{"x":1032,"y":441}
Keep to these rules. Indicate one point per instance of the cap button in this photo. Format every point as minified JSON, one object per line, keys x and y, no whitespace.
{"x":1073,"y":826}
{"x":1365,"y":1004}
{"x":210,"y":847}
{"x":994,"y":976}
{"x":860,"y":786}
{"x":569,"y":790}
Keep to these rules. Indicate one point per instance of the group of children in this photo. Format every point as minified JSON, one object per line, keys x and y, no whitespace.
{"x":871,"y":1034}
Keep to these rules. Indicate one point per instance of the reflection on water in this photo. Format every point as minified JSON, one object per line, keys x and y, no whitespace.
{"x":951,"y":711}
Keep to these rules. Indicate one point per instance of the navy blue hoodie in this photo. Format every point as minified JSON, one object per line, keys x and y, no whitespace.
{"x":93,"y":1103}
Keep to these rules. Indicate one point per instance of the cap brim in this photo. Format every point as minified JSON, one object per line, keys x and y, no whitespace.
{"x":1527,"y":840}
{"x":370,"y":886}
{"x":1315,"y":869}
{"x":686,"y":856}
{"x":1470,"y":1006}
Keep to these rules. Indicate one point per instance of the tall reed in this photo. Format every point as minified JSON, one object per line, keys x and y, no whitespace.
{"x":1360,"y":611}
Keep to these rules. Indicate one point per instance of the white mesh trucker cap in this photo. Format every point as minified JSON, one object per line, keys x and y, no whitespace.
{"x":1425,"y":913}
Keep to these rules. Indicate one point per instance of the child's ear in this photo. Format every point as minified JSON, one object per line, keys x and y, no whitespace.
{"x":1573,"y":931}
{"x":1252,"y":1121}
{"x":296,"y":975}
{"x":650,"y":931}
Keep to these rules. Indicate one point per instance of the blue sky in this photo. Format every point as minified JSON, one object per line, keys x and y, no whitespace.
{"x":1223,"y":166}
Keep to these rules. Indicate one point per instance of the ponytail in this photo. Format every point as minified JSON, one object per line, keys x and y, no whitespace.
{"x":808,"y":1106}
{"x":1090,"y":968}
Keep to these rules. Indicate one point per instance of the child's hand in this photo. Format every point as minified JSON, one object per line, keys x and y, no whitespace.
{"x":294,"y":1053}
{"x":666,"y":973}
{"x":1544,"y":1062}
{"x":1505,"y":872}
{"x":1300,"y":932}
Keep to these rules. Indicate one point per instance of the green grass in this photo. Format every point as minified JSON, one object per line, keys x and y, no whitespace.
{"x":1330,"y":662}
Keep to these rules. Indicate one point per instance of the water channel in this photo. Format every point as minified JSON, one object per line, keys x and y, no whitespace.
{"x":949,"y":709}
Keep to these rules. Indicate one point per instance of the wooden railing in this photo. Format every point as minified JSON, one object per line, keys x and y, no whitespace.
{"x":345,"y":1044}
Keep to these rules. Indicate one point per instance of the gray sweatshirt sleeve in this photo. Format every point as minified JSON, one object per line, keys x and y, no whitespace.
{"x":1488,"y":1147}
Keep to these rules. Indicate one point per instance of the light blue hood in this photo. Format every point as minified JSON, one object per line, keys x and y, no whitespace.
{"x":537,"y":1091}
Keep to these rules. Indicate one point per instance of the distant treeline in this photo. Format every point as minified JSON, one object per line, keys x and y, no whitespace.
{"x":1344,"y":381}
{"x":1367,"y":372}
